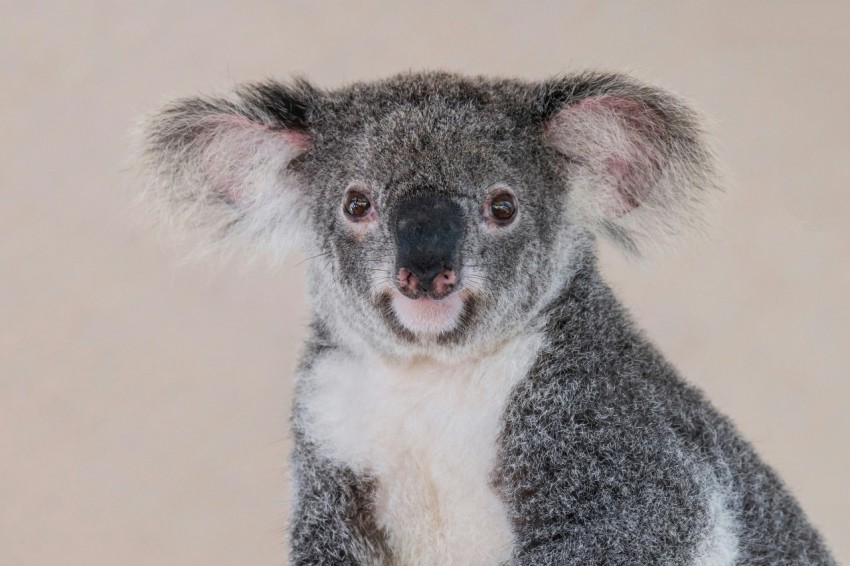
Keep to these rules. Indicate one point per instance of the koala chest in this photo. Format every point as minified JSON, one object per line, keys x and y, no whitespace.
{"x":428,"y":433}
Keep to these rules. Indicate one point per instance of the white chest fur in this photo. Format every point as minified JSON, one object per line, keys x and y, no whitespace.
{"x":428,"y":432}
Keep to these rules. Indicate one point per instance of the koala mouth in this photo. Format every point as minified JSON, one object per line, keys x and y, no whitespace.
{"x":425,"y":315}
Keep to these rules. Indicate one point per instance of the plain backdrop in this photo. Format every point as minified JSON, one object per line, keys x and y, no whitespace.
{"x":144,"y":400}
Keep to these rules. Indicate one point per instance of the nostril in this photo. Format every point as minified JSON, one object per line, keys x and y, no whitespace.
{"x":408,"y":282}
{"x":443,"y":283}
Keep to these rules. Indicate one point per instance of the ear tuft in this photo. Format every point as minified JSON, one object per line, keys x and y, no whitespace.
{"x":221,"y":165}
{"x":638,"y":166}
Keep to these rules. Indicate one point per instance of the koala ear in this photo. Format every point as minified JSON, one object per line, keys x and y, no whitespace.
{"x":637,"y":165}
{"x":222,"y":165}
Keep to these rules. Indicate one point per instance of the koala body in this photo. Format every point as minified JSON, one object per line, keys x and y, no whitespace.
{"x":471,"y":392}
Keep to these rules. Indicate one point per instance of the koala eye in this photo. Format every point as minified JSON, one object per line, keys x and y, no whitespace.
{"x":503,"y":207}
{"x":356,"y":204}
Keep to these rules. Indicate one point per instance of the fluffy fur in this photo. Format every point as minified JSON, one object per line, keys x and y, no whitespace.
{"x":428,"y":433}
{"x":537,"y":426}
{"x":221,"y":167}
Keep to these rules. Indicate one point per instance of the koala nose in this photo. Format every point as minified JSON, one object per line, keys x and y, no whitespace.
{"x":429,"y":229}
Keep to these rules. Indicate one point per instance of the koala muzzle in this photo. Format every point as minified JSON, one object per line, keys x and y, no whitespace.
{"x":429,"y":228}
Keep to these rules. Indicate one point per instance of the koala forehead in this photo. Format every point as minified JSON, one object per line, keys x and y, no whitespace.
{"x":436,"y":95}
{"x":435,"y":131}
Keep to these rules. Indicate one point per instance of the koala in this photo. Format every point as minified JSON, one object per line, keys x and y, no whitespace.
{"x":471,"y":390}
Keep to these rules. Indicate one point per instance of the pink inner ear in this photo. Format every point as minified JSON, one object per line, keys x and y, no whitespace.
{"x":241,"y":145}
{"x":298,"y":139}
{"x":622,"y":135}
{"x":631,"y":186}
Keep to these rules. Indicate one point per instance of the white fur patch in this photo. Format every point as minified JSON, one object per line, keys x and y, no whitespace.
{"x":428,"y":432}
{"x":720,"y":546}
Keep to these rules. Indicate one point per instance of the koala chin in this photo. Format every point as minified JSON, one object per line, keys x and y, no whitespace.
{"x":471,"y":391}
{"x":426,"y":315}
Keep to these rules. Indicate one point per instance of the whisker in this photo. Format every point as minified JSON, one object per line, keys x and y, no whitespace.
{"x":313,"y":257}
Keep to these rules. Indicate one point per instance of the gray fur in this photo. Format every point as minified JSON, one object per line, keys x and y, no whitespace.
{"x":606,"y":456}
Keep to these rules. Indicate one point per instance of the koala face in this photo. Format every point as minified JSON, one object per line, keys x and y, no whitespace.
{"x":439,"y":213}
{"x":436,"y":216}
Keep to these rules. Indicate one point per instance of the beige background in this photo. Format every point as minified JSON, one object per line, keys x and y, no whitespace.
{"x":144,"y":401}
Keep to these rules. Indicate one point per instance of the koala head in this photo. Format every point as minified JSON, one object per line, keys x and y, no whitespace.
{"x":440,"y":213}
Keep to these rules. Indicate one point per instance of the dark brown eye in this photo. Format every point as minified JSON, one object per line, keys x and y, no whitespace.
{"x":356,"y":204}
{"x":503,"y":207}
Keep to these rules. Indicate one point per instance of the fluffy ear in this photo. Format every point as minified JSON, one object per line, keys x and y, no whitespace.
{"x":637,"y":163}
{"x":222,"y":165}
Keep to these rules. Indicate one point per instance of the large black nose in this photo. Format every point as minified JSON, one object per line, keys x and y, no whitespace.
{"x":429,"y":229}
